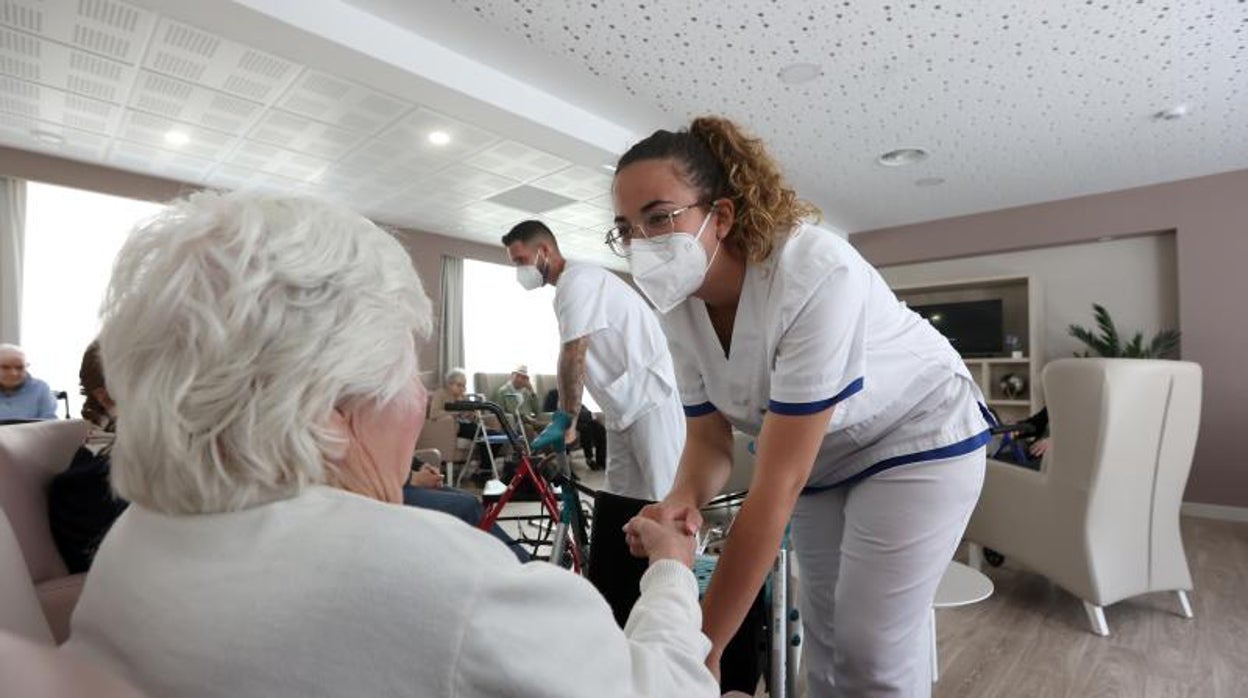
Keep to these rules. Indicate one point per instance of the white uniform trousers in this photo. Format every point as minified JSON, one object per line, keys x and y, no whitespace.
{"x":642,"y":459}
{"x":871,"y":555}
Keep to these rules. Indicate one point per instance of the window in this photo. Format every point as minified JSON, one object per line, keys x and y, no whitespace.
{"x":504,"y":325}
{"x":72,"y":238}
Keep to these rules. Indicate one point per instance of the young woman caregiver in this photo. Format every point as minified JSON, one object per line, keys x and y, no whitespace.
{"x":869,"y":431}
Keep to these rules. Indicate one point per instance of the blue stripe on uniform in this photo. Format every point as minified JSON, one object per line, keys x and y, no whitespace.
{"x":803,"y":408}
{"x":699,"y":410}
{"x":960,"y":448}
{"x":983,"y":410}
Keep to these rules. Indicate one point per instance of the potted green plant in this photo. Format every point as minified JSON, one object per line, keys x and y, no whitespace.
{"x":1108,"y":343}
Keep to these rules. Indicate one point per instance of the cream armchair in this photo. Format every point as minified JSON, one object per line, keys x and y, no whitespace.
{"x":1101,"y":516}
{"x":30,"y":456}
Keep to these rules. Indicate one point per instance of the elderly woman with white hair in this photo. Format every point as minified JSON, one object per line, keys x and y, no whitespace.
{"x":262,"y":355}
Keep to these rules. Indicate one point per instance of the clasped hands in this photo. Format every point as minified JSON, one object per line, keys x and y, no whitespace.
{"x":664,"y":531}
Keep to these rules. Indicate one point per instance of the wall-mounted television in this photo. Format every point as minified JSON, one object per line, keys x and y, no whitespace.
{"x":974,"y":328}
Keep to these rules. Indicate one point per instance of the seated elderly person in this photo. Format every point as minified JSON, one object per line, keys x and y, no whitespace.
{"x":262,"y":355}
{"x":22,"y":396}
{"x":81,"y":504}
{"x":455,"y":388}
{"x":516,"y":396}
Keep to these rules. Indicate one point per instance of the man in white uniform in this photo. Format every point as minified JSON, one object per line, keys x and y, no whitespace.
{"x":613,"y":345}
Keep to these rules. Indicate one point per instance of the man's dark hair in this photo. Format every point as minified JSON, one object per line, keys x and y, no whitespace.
{"x":90,"y":377}
{"x":528,"y":231}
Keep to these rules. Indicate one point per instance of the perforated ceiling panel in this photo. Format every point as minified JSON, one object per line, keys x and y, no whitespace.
{"x":185,"y":52}
{"x":340,"y":102}
{"x":1017,"y":101}
{"x":113,"y":83}
{"x":517,"y":161}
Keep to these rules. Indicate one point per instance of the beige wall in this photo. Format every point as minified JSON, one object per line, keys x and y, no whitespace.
{"x":1134,"y":278}
{"x":1209,"y":219}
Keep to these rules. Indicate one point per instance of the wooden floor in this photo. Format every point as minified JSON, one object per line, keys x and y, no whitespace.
{"x":1032,"y":639}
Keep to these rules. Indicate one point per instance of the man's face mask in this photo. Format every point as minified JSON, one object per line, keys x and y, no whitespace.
{"x":530,"y":276}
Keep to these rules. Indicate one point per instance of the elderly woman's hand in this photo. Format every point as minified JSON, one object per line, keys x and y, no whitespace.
{"x":427,"y":477}
{"x":668,"y":540}
{"x":1039,"y":448}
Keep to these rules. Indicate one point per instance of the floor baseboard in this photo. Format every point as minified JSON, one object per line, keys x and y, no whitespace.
{"x":1214,"y":511}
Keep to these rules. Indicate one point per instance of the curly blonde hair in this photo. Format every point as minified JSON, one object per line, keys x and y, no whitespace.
{"x":723,"y":162}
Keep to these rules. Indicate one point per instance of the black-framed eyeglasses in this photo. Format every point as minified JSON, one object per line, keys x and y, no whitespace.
{"x":653,"y":224}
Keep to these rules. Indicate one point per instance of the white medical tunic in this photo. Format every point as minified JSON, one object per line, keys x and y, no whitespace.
{"x":629,"y":372}
{"x":817,"y":326}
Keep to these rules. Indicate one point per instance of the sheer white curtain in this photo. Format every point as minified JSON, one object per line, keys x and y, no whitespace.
{"x":451,"y":349}
{"x":12,"y":237}
{"x":72,"y":238}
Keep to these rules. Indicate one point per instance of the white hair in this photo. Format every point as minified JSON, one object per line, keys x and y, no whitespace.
{"x":453,"y":374}
{"x":13,"y":350}
{"x":233,"y":326}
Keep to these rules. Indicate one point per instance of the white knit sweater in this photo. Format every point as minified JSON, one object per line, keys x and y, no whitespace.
{"x":332,"y":594}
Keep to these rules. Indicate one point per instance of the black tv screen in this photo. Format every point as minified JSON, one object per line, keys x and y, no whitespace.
{"x":974,"y":328}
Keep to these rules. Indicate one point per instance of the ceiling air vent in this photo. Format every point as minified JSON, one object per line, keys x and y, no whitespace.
{"x":531,"y":199}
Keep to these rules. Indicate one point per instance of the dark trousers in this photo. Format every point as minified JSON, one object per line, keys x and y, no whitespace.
{"x":617,"y":575}
{"x":593,"y":436}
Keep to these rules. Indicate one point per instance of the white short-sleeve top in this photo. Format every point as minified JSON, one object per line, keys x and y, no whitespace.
{"x":628,"y":369}
{"x":817,"y":326}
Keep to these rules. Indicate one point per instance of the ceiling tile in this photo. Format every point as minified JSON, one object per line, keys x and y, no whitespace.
{"x":378,"y":159}
{"x":182,"y":51}
{"x":234,"y":177}
{"x":18,"y":97}
{"x":107,"y":28}
{"x":51,"y":64}
{"x":18,"y":131}
{"x":346,"y":104}
{"x":604,"y":202}
{"x":577,"y":182}
{"x":582,"y":215}
{"x":190,"y":103}
{"x":411,"y":134}
{"x":517,"y":161}
{"x":149,"y":129}
{"x":270,"y":159}
{"x":304,"y":135}
{"x":466,"y":181}
{"x":147,"y":159}
{"x":490,"y":214}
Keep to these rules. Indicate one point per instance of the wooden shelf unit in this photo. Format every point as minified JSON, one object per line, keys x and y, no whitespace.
{"x":1022,"y":315}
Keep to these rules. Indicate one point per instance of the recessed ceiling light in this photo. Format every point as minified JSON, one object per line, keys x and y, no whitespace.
{"x":798,"y":73}
{"x":1175,"y":112}
{"x":609,"y":168}
{"x":902,"y":156}
{"x":48,"y":137}
{"x":929,"y":182}
{"x":177,"y":138}
{"x":439,"y":137}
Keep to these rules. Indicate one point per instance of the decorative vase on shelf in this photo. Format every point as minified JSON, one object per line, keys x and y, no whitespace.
{"x":1013,"y":386}
{"x":1014,"y":346}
